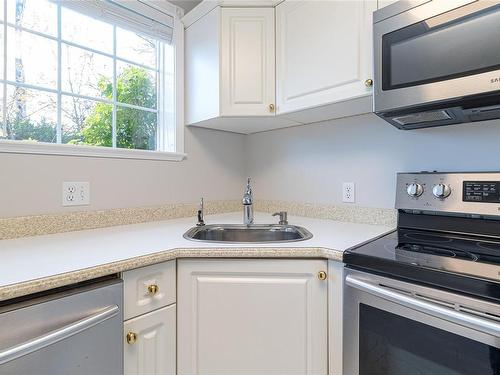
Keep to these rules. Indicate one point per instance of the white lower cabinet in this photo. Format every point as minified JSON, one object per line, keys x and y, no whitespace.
{"x":149,"y":347}
{"x":149,"y":331}
{"x":266,"y":317}
{"x":148,"y":288}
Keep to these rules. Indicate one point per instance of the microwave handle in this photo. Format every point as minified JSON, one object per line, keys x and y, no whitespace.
{"x":468,"y":320}
{"x":57,"y":335}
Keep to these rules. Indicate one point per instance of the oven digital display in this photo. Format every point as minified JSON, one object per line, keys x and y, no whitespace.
{"x":481,"y":191}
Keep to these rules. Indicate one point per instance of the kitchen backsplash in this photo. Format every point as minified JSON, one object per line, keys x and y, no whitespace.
{"x":25,"y":226}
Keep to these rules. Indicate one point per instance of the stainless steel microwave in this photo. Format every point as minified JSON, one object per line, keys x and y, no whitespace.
{"x":437,"y":62}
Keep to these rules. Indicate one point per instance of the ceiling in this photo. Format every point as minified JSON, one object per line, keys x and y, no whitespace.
{"x":187,"y":5}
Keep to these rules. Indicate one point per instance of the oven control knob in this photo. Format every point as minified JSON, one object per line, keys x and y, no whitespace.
{"x":441,"y":191}
{"x":414,"y":189}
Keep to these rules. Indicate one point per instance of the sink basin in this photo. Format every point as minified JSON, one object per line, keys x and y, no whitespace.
{"x":248,"y":233}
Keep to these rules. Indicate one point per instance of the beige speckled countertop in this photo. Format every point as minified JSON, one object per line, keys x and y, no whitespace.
{"x":33,"y":264}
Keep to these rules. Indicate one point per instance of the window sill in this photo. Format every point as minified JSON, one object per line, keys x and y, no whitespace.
{"x":26,"y":147}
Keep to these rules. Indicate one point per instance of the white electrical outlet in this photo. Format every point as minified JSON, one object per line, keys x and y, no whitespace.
{"x":75,"y":194}
{"x":348,"y":192}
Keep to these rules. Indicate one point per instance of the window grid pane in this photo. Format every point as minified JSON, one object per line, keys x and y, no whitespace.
{"x":114,"y":114}
{"x":27,"y":14}
{"x":59,"y":77}
{"x":31,"y":114}
{"x":22,"y":67}
{"x":70,"y":107}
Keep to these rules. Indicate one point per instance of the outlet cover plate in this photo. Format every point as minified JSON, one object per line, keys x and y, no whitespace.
{"x":75,"y":193}
{"x":348,"y":192}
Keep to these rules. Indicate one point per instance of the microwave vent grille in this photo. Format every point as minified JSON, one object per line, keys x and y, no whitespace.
{"x":416,"y":118}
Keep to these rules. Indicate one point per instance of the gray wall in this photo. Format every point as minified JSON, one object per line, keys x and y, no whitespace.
{"x":31,"y":184}
{"x":305,"y":164}
{"x":309,"y":163}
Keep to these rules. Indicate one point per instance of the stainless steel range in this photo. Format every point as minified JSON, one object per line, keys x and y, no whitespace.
{"x":425,"y":298}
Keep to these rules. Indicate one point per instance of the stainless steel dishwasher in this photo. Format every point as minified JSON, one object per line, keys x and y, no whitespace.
{"x":73,"y":331}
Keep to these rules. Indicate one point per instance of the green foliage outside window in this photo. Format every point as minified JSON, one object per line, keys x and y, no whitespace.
{"x":135,"y":128}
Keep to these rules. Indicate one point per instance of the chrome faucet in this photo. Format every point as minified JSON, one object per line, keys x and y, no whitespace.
{"x":248,"y":205}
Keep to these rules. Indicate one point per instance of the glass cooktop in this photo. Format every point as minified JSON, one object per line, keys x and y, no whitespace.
{"x":458,"y":263}
{"x":467,"y":255}
{"x":466,"y":248}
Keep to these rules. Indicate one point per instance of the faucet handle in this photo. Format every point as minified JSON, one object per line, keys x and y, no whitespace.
{"x":248,"y":189}
{"x":283,"y":217}
{"x":247,"y":196}
{"x":201,"y":214}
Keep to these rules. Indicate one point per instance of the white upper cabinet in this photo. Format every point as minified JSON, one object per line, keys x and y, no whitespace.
{"x":230,"y":70}
{"x":323,"y":53}
{"x":247,"y":62}
{"x":254,"y":68}
{"x":202,"y":67}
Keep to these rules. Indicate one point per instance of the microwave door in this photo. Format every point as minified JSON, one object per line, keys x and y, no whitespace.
{"x":437,"y":51}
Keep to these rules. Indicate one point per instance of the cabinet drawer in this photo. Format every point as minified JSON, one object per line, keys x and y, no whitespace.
{"x":139,"y":287}
{"x":149,"y":343}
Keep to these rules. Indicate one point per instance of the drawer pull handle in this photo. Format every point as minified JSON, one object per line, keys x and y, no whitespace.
{"x":271,"y":107}
{"x":369,"y":82}
{"x":131,"y":338}
{"x":153,"y":289}
{"x":322,"y":275}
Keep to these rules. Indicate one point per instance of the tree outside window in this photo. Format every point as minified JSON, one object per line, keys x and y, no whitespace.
{"x":101,"y":90}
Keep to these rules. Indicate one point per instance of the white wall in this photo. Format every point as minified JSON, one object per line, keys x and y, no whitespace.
{"x":305,"y":164}
{"x":309,"y":163}
{"x":31,"y":184}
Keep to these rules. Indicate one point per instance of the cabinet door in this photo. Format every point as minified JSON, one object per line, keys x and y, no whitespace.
{"x":153,"y":351}
{"x":263,"y":317}
{"x":323,"y":52}
{"x":247,"y":62}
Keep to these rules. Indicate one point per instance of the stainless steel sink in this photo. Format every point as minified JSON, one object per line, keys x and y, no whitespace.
{"x":247,"y":233}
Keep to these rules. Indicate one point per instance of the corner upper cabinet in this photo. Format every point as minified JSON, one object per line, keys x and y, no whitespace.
{"x":247,"y":62}
{"x":323,"y":57}
{"x":230,"y":69}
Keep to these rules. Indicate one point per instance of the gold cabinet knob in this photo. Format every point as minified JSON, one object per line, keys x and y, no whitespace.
{"x":271,"y":107}
{"x":131,"y":338}
{"x":322,"y":275}
{"x":369,"y":82}
{"x":153,"y":289}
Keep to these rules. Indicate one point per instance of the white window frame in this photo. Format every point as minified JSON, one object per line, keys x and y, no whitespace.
{"x":40,"y":148}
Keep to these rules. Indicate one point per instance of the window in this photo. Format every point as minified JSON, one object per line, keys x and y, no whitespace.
{"x":70,"y":76}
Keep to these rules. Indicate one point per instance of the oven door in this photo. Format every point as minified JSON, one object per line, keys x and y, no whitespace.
{"x":436,"y":51}
{"x":394,"y":328}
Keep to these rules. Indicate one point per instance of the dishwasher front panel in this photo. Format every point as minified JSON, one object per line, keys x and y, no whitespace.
{"x":75,"y":332}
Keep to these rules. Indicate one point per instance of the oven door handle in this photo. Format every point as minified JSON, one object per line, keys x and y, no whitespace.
{"x":483,"y":325}
{"x":57,"y":335}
